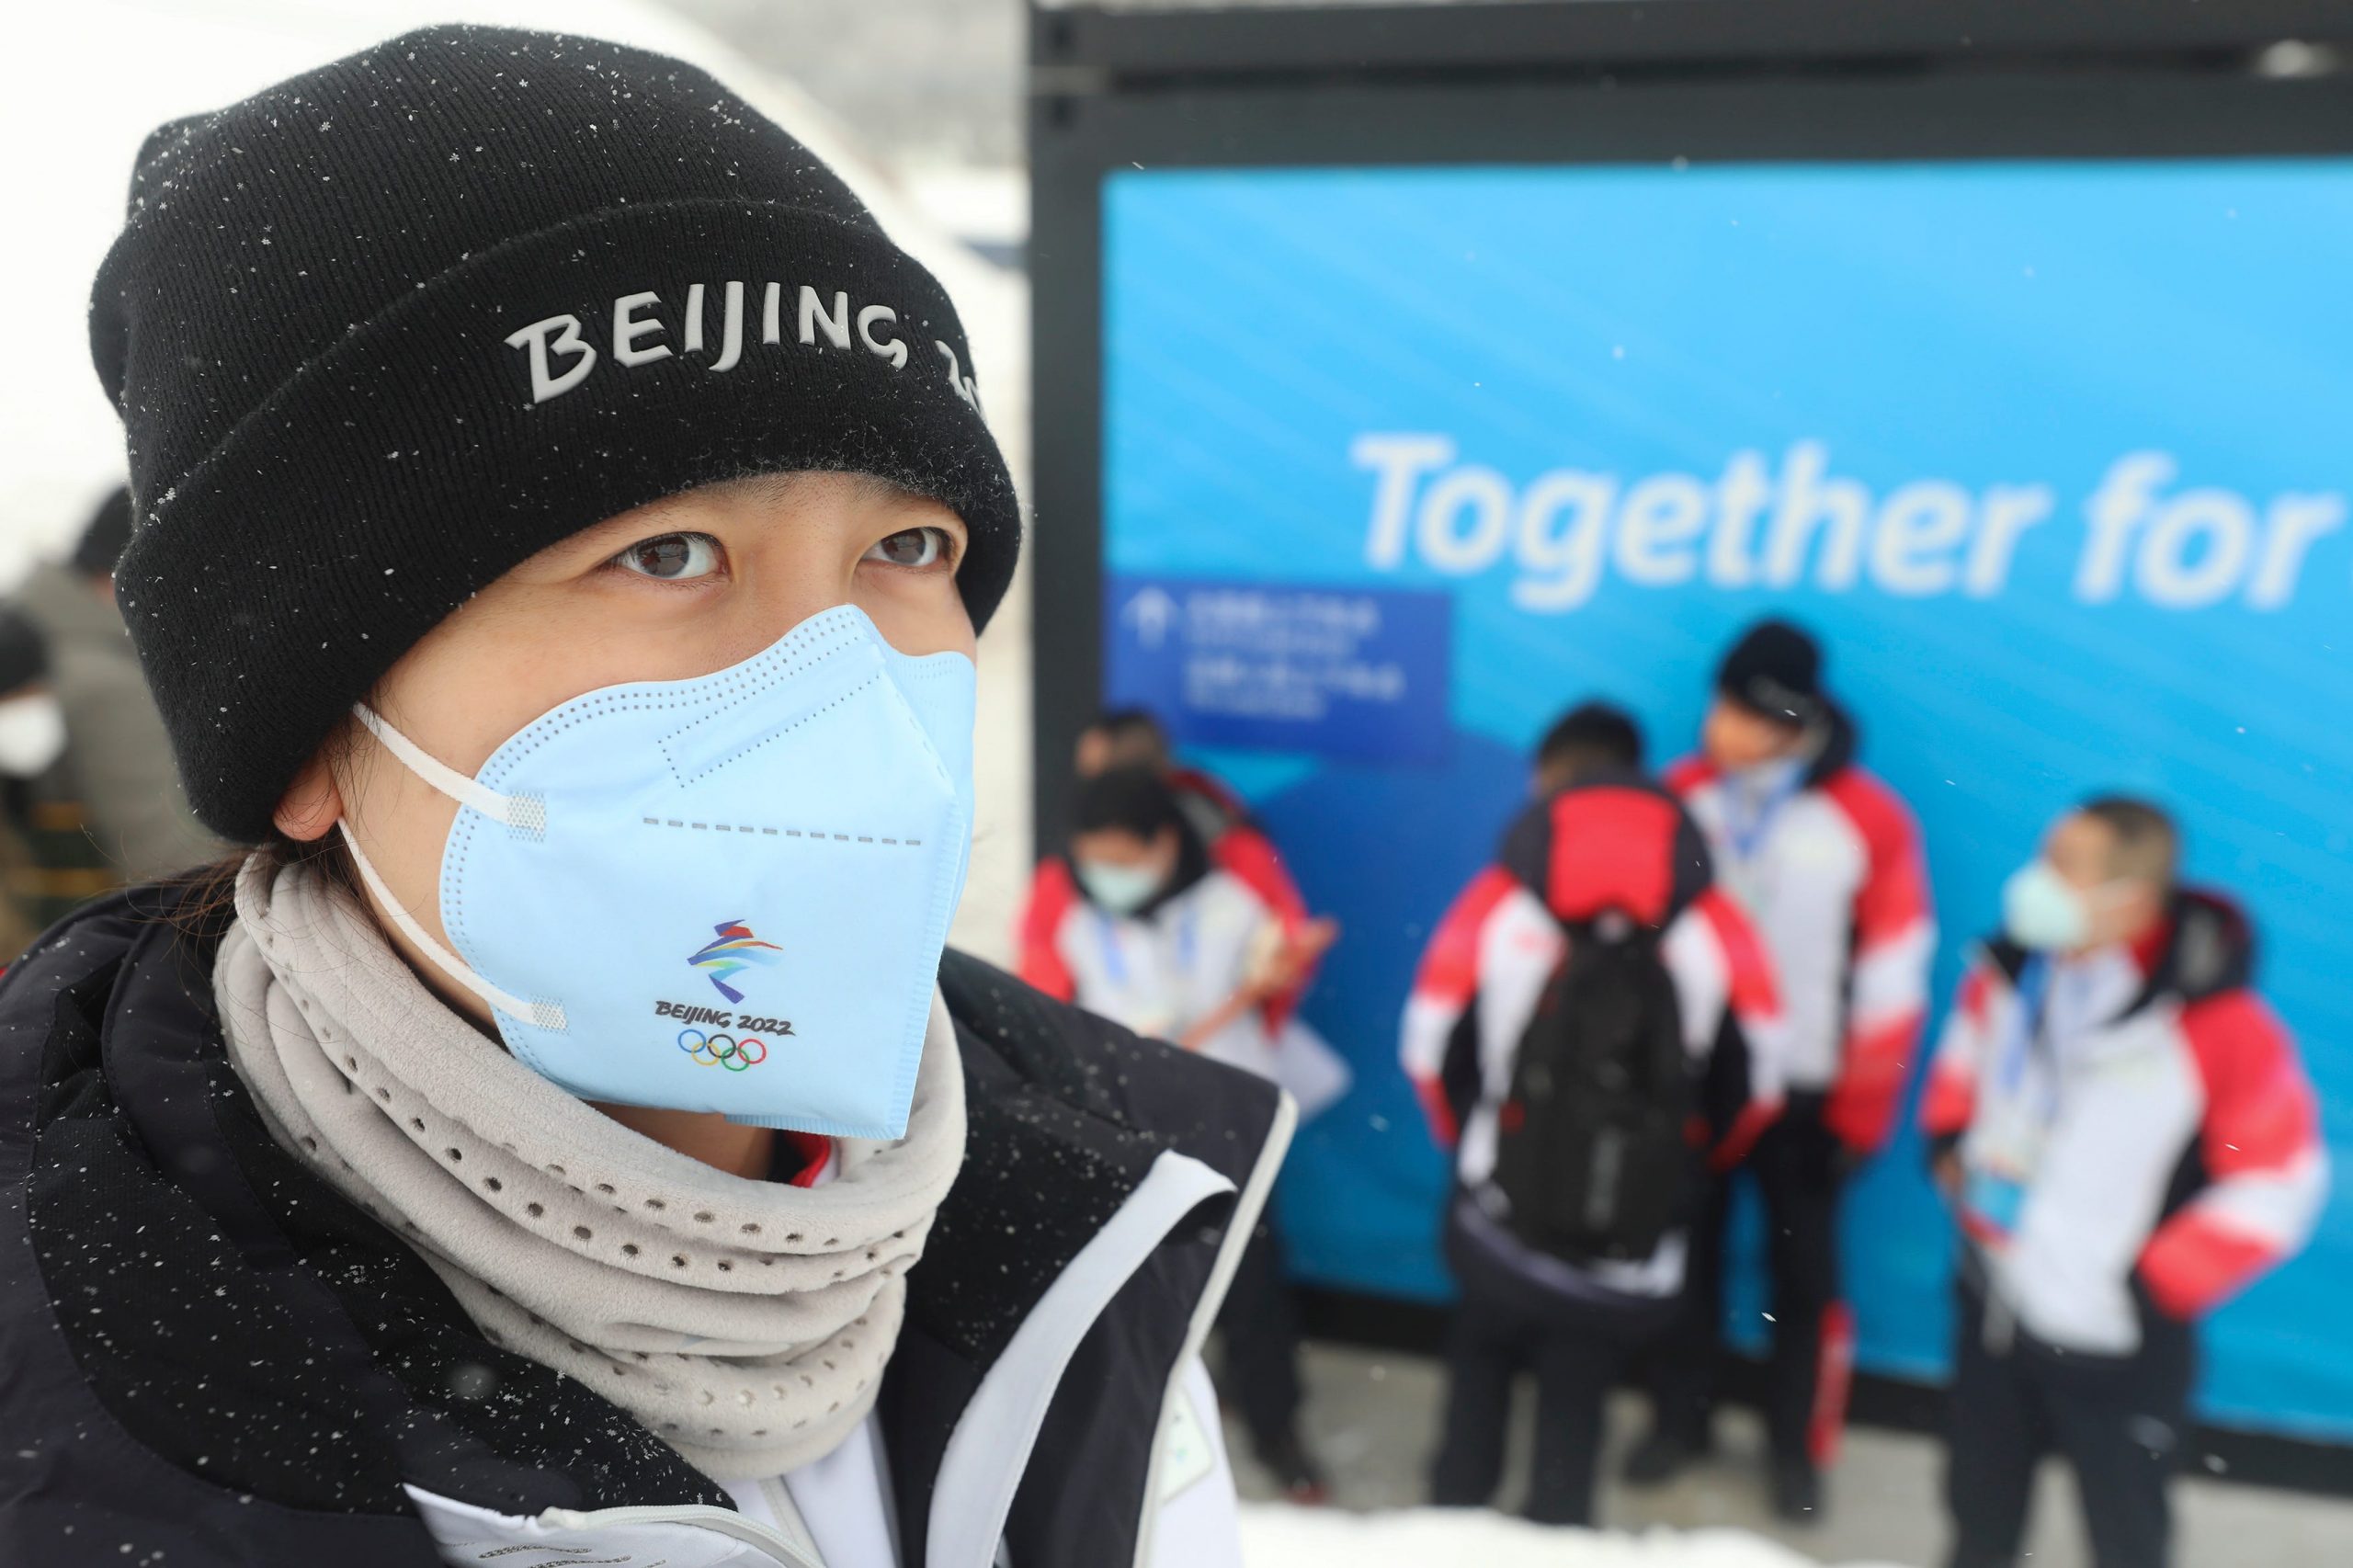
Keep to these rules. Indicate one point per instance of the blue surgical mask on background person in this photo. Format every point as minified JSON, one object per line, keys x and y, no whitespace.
{"x":2044,"y":912}
{"x":1121,"y":890}
{"x":32,"y":735}
{"x":728,"y":893}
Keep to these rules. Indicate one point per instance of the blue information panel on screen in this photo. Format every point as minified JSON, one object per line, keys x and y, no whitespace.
{"x":2053,"y":456}
{"x":1338,"y":671}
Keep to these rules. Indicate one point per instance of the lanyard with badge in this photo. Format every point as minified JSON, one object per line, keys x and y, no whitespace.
{"x":2003,"y":1154}
{"x":1745,"y":838}
{"x":1159,"y":1022}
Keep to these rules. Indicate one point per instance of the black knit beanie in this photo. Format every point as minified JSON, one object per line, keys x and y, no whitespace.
{"x":104,"y":537}
{"x":1775,"y":670}
{"x":383,"y":331}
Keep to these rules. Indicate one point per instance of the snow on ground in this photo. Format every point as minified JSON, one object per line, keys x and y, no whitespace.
{"x":1372,"y":1417}
{"x":1277,"y":1535}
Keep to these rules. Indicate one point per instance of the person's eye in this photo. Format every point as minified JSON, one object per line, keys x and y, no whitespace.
{"x":672,"y":558}
{"x":915,"y":549}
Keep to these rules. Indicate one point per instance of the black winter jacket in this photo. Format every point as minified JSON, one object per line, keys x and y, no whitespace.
{"x":208,"y":1358}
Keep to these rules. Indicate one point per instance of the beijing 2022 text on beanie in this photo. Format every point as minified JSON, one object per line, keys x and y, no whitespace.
{"x":383,"y":331}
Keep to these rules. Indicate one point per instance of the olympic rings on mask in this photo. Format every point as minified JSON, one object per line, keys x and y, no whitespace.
{"x":723,"y":1049}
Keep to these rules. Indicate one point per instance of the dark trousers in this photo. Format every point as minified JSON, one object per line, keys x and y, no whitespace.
{"x":2118,"y":1421}
{"x":1259,"y":1323}
{"x":1799,"y":1167}
{"x":1575,"y":1356}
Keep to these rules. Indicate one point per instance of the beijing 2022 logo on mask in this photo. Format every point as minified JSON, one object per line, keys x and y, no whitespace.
{"x":733,"y":949}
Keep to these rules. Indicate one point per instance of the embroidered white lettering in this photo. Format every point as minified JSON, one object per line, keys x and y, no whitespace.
{"x":731,"y":331}
{"x":627,"y":330}
{"x":956,"y":377}
{"x":836,"y":320}
{"x":560,"y":358}
{"x":889,"y":348}
{"x":534,"y":339}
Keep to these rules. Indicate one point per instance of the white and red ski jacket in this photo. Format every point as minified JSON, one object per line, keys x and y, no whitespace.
{"x":1235,"y":845}
{"x":2129,"y":1115}
{"x":1827,"y":863}
{"x":1166,"y":966}
{"x":1607,"y":845}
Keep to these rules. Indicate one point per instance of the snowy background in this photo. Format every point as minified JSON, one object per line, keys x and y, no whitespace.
{"x":113,"y":70}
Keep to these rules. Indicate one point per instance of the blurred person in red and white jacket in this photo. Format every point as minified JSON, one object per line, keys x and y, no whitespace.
{"x":2129,"y":1139}
{"x":1143,"y":927}
{"x":1132,"y":737}
{"x":1826,"y":860}
{"x":1603,"y":860}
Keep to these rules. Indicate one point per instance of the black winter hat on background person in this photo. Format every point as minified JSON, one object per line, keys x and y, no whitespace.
{"x":1775,"y":670}
{"x":24,"y":657}
{"x":104,"y":537}
{"x":382,"y":332}
{"x":1594,"y":729}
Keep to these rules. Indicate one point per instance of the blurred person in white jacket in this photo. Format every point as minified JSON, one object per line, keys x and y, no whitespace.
{"x":2128,"y":1138}
{"x":1148,"y":932}
{"x":1826,"y":859}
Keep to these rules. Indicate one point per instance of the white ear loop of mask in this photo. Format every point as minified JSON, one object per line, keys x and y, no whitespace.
{"x":524,"y":812}
{"x":467,"y":792}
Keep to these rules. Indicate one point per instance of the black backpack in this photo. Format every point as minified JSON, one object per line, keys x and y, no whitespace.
{"x":1593,"y":1154}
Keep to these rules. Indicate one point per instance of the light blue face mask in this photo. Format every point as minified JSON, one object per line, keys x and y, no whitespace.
{"x":728,"y":893}
{"x":1122,"y":890}
{"x":2043,"y":912}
